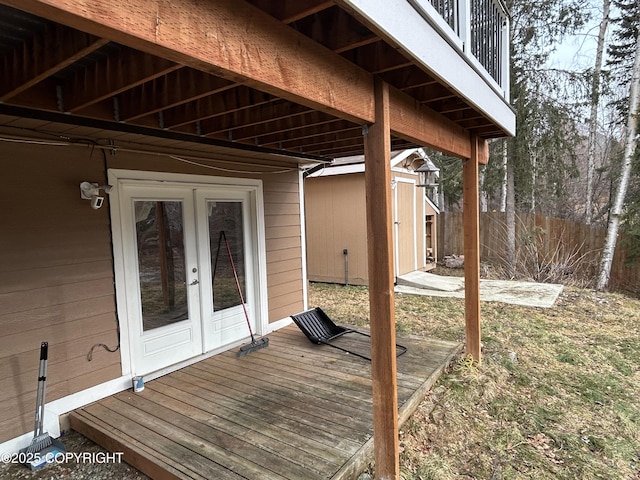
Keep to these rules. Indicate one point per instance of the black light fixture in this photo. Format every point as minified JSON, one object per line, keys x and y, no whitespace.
{"x":428,"y":174}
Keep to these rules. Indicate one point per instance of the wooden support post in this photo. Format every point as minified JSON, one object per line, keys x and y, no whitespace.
{"x":381,"y":296}
{"x":471,"y":220}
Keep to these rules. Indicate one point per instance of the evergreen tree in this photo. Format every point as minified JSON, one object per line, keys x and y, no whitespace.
{"x":624,"y":61}
{"x":542,"y":152}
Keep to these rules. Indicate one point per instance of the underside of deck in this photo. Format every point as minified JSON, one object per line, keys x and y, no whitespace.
{"x":291,"y":411}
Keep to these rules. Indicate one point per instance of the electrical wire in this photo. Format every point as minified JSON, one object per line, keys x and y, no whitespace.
{"x":93,"y":145}
{"x":197,"y":161}
{"x":35,"y":142}
{"x":229,"y":170}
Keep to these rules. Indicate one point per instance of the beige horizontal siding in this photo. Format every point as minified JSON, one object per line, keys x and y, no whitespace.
{"x":284,"y":245}
{"x":56,"y":279}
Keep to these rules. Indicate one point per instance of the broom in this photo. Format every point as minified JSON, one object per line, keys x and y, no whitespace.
{"x":42,"y":448}
{"x":41,"y":439}
{"x":255,"y":344}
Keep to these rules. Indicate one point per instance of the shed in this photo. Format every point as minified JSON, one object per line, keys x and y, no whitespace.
{"x":336,"y":218}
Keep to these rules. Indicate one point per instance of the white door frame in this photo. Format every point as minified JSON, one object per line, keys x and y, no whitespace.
{"x":252,"y":186}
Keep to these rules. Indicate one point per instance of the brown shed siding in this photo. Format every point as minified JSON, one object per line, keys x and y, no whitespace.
{"x":56,"y":276}
{"x":335,"y":218}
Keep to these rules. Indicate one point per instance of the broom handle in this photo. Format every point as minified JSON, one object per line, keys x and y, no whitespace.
{"x":235,"y":275}
{"x":38,"y":428}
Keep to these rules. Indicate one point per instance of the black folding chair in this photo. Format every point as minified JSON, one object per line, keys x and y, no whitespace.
{"x":320,"y":329}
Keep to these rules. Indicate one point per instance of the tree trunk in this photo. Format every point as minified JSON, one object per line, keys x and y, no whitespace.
{"x":483,"y":194}
{"x":629,"y":149}
{"x":593,"y":118}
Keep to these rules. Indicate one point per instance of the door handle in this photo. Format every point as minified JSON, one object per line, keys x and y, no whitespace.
{"x":195,"y":282}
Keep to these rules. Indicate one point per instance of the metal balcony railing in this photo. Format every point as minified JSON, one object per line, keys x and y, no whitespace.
{"x":479,"y":27}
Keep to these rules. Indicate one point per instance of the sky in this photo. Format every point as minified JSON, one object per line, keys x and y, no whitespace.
{"x":578,"y":52}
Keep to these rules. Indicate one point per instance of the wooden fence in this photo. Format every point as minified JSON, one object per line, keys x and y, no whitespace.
{"x":542,"y":243}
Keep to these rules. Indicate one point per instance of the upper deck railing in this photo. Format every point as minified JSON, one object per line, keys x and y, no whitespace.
{"x":479,"y":28}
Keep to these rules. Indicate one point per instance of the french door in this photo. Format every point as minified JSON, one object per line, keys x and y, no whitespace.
{"x":180,"y":287}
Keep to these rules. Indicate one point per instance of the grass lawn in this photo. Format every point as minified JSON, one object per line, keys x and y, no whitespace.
{"x":557,"y":395}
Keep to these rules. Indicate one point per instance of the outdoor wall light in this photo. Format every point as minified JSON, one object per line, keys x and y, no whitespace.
{"x":91,"y":191}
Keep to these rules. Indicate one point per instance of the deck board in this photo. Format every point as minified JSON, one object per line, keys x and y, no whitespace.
{"x":291,"y":411}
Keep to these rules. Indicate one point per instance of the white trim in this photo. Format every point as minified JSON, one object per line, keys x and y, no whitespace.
{"x":410,"y":181}
{"x":424,"y":44}
{"x":277,"y":325}
{"x":53,"y":410}
{"x":118,"y":178}
{"x":356,"y":164}
{"x":339,"y":170}
{"x":303,"y":235}
{"x":401,"y":155}
{"x":431,"y":204}
{"x":396,"y":257}
{"x":423,"y":227}
{"x":63,"y":405}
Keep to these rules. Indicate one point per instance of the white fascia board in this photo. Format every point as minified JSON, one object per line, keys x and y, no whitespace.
{"x":436,"y":54}
{"x":338,"y":170}
{"x":432,"y":205}
{"x":398,"y":156}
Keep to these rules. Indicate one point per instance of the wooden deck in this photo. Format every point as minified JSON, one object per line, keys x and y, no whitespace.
{"x":294,"y":411}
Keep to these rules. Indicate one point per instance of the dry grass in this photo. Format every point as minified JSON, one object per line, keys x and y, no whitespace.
{"x":557,"y":395}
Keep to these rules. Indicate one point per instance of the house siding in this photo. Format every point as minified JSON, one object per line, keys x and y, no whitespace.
{"x":56,"y":274}
{"x":283,"y":244}
{"x":56,"y":280}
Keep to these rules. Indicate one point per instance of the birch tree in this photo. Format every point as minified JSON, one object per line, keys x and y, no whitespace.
{"x":629,"y":152}
{"x":593,"y":117}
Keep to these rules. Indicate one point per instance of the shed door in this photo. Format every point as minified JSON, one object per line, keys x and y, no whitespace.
{"x":405,"y":227}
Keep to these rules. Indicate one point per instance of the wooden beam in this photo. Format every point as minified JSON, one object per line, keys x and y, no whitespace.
{"x":325,"y":141}
{"x":288,"y":12}
{"x":421,"y":125}
{"x":213,"y":106}
{"x":378,"y":57}
{"x":122,"y":70}
{"x":303,"y":8}
{"x":229,"y":38}
{"x":471,"y":228}
{"x":381,"y":294}
{"x":483,"y":151}
{"x":237,"y":41}
{"x":177,"y":88}
{"x":264,"y":119}
{"x":285,"y":127}
{"x":328,"y":148}
{"x":34,"y":60}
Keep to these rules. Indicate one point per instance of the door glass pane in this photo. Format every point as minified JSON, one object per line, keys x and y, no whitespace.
{"x":226,"y":217}
{"x":161,"y":262}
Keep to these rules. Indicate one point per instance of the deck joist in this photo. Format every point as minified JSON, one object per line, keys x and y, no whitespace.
{"x":291,"y":411}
